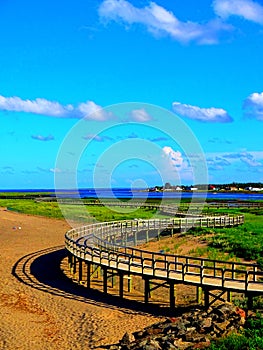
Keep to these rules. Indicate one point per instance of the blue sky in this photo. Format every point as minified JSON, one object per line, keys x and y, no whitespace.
{"x":64,"y":63}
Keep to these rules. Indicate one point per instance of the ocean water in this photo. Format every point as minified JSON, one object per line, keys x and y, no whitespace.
{"x":140,"y":194}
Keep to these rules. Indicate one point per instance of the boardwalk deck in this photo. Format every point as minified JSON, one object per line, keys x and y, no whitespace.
{"x":112,"y":246}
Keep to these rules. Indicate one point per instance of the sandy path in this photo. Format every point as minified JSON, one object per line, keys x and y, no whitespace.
{"x":39,"y":308}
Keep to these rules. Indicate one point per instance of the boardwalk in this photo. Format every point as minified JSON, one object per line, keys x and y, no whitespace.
{"x":112,"y":247}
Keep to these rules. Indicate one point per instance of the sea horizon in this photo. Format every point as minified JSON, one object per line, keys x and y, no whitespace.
{"x":140,"y":193}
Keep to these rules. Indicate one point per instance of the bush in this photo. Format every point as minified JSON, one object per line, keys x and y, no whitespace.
{"x":250,"y":339}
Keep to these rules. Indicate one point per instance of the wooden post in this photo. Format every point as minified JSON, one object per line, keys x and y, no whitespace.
{"x":146,"y":290}
{"x":135,"y":237}
{"x":112,"y":279}
{"x":199,"y":294}
{"x":129,"y":281}
{"x":74,"y":267}
{"x":172,"y":296}
{"x":249,"y":301}
{"x":123,"y":238}
{"x":80,"y":270}
{"x":69,"y":261}
{"x":255,"y":273}
{"x":88,"y":274}
{"x":158,"y":234}
{"x":206,"y":295}
{"x":229,"y":296}
{"x":105,"y":277}
{"x":121,"y":285}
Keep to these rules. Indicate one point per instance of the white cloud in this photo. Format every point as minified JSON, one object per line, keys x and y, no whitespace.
{"x":248,"y":9}
{"x":97,"y":138}
{"x":88,"y":110}
{"x":219,"y":161}
{"x":140,"y":115}
{"x":55,"y":170}
{"x":175,"y":168}
{"x":210,"y":115}
{"x":174,"y":158}
{"x":253,"y":106}
{"x":251,"y":162}
{"x":37,"y":106}
{"x":42,"y":138}
{"x":160,"y":21}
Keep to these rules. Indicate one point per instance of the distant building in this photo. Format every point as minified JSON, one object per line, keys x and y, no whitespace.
{"x":255,"y":189}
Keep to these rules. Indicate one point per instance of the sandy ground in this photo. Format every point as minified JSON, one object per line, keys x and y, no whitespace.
{"x":39,"y":307}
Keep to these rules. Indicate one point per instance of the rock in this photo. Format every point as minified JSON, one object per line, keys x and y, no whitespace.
{"x":193,"y":330}
{"x":222,"y":326}
{"x":153,"y":331}
{"x":190,"y":329}
{"x":182,"y":345}
{"x":202,"y":345}
{"x":141,"y":344}
{"x":168,"y":346}
{"x":125,"y":340}
{"x":138,"y":335}
{"x":153,"y":345}
{"x":219,"y":313}
{"x":194,"y":337}
{"x":205,"y":325}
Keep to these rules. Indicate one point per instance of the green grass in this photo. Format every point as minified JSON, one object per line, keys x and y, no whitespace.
{"x":251,"y":338}
{"x":29,"y":206}
{"x":76,"y":212}
{"x":244,"y":241}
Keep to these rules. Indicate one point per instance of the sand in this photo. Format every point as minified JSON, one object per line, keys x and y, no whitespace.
{"x":40,"y":308}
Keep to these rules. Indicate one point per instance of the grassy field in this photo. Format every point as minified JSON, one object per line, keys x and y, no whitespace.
{"x":77,"y":212}
{"x":245,"y":241}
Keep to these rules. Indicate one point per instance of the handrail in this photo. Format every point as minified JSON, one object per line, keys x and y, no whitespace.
{"x":111,"y":244}
{"x":217,"y":204}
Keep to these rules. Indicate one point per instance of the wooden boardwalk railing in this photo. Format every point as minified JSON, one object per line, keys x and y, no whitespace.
{"x":112,"y":246}
{"x":197,"y":206}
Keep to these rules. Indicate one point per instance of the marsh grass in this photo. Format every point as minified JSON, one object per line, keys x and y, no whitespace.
{"x":75,"y":212}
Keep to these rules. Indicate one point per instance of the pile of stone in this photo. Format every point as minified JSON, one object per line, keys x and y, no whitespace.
{"x":192,"y":330}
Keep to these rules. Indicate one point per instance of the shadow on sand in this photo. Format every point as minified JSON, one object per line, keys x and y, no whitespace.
{"x":42,"y":270}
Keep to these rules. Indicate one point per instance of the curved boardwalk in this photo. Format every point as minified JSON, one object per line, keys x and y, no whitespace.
{"x":112,"y":247}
